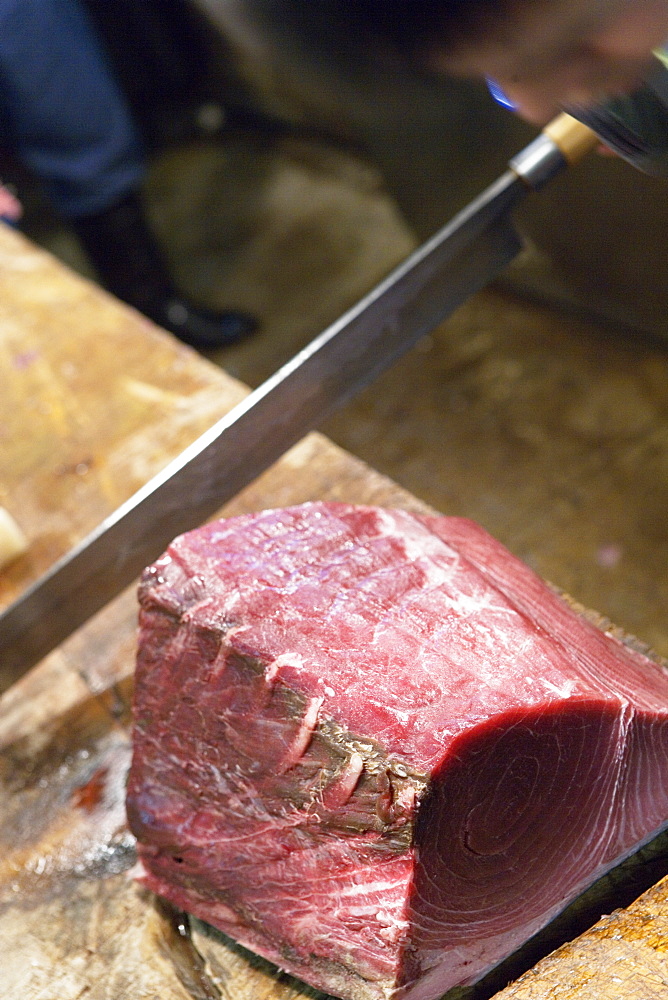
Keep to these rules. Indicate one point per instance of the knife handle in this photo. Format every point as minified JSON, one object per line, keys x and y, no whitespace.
{"x":573,"y":138}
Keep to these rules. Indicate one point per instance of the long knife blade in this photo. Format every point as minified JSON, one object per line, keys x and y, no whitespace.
{"x":458,"y":261}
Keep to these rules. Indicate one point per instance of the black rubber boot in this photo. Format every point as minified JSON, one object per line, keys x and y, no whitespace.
{"x":129,"y":264}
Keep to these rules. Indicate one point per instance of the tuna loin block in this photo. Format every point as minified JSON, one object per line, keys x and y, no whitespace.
{"x":376,"y":749}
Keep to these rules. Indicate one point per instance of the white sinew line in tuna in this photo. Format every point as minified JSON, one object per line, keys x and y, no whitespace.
{"x":377,"y":749}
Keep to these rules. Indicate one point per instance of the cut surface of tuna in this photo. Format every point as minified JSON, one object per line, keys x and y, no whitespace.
{"x":377,"y":749}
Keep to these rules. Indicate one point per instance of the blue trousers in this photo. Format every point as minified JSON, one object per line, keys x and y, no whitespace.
{"x":62,"y":113}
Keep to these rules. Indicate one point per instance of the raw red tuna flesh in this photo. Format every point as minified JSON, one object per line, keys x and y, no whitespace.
{"x":376,"y":749}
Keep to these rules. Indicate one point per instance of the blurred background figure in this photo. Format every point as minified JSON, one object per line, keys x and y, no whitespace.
{"x":65,"y":117}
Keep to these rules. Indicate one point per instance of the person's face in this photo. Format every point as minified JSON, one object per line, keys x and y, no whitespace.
{"x":553,"y":54}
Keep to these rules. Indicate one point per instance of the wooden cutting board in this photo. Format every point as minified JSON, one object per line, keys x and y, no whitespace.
{"x":93,"y":401}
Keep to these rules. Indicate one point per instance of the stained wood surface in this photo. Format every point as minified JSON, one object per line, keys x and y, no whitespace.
{"x":624,"y":957}
{"x":93,"y":401}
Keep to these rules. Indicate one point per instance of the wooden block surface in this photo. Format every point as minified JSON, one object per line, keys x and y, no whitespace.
{"x":94,"y":400}
{"x":624,"y":957}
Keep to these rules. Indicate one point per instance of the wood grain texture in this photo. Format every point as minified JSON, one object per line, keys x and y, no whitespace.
{"x":94,"y":400}
{"x":624,"y":957}
{"x":110,"y":399}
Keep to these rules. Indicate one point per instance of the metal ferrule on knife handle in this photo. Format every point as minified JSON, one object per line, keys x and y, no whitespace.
{"x":562,"y":143}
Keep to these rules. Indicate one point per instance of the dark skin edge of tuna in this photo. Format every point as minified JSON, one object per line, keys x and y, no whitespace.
{"x":618,"y":888}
